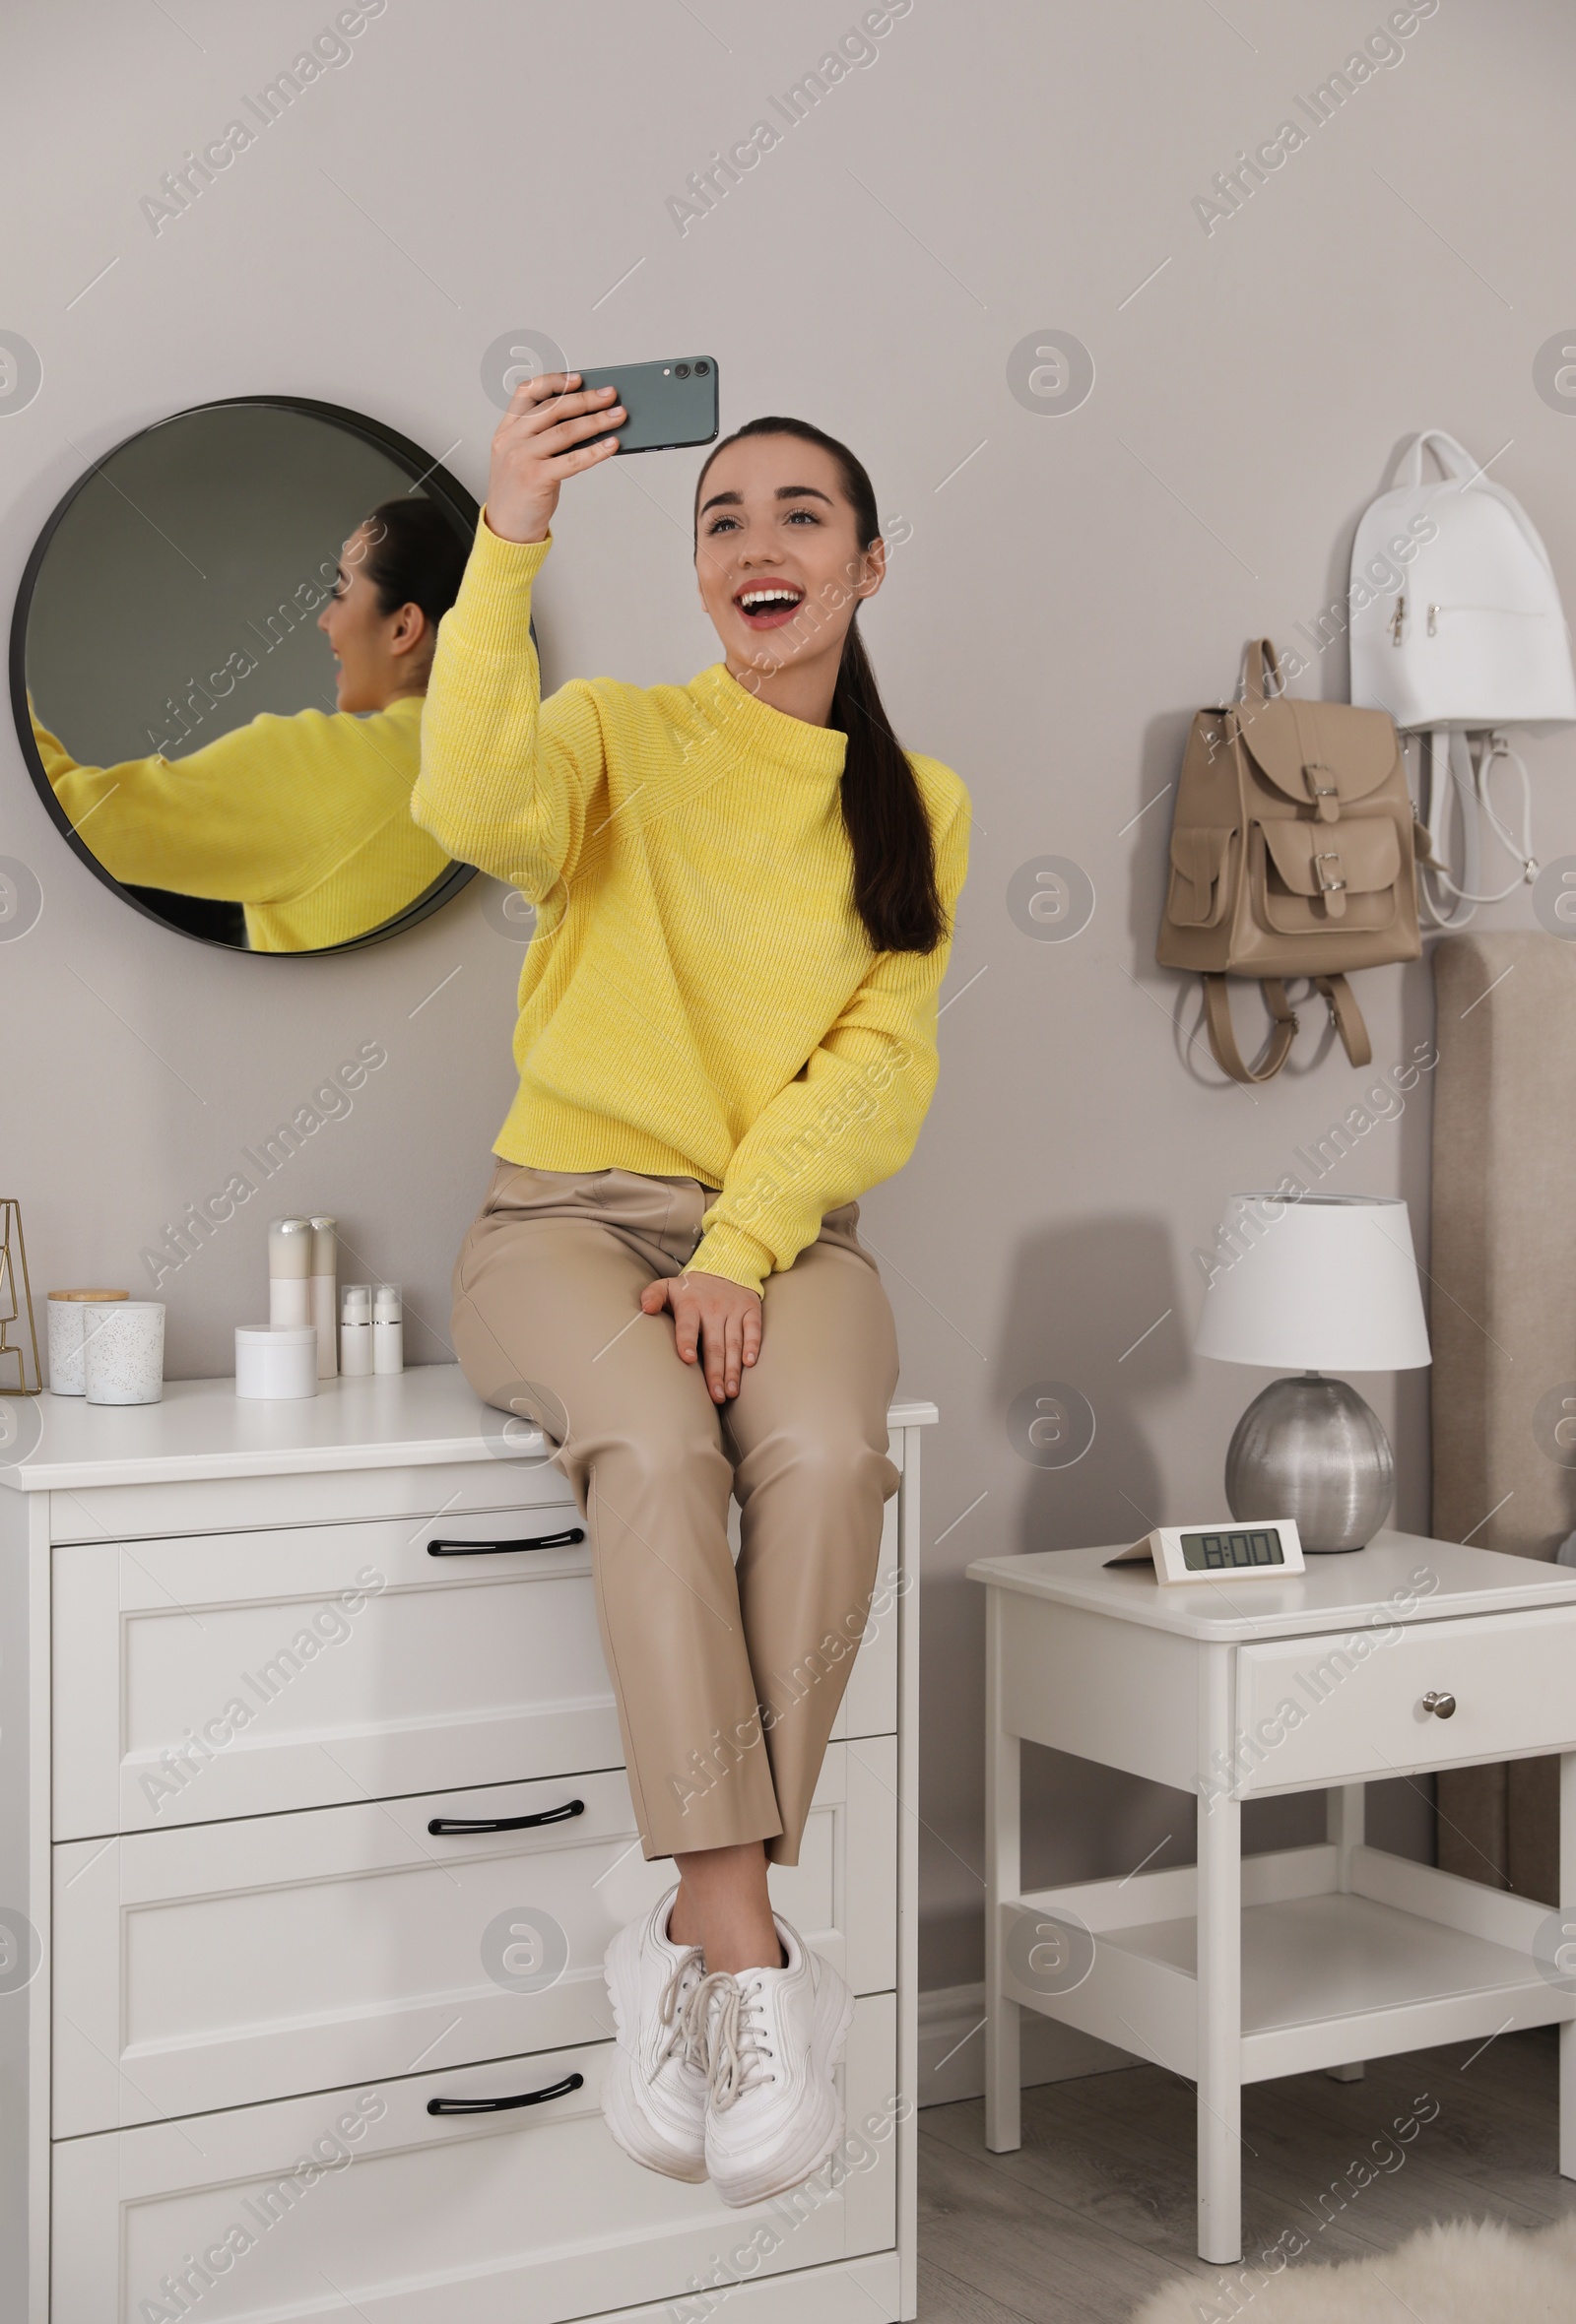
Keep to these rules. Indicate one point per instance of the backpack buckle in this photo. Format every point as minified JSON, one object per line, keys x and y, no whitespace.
{"x":1326,"y":797}
{"x":1327,"y":887}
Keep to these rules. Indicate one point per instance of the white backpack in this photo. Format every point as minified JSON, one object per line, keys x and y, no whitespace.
{"x":1457,"y":631}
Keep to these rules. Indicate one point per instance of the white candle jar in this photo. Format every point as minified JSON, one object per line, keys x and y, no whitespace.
{"x":67,"y":1376}
{"x":123,"y":1351}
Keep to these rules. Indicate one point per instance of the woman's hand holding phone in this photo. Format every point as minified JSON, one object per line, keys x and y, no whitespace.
{"x":542,"y":439}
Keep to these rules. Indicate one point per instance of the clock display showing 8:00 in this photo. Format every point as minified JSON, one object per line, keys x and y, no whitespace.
{"x":1229,"y":1552}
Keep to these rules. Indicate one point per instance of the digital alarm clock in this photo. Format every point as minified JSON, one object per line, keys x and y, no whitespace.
{"x":1262,"y":1550}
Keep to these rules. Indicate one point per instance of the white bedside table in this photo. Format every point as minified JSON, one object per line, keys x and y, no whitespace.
{"x":1234,"y":1971}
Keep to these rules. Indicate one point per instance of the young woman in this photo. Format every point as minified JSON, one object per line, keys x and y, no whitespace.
{"x":727,"y":1033}
{"x":305,"y":821}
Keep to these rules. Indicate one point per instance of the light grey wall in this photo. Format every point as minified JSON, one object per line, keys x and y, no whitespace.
{"x":1073,"y":587}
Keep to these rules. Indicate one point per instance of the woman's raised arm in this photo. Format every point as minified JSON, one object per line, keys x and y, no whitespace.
{"x":507,"y":781}
{"x":258,"y":816}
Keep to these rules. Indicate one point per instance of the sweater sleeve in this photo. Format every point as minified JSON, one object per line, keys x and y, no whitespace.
{"x":852,"y":1118}
{"x":507,"y":781}
{"x":253,"y":818}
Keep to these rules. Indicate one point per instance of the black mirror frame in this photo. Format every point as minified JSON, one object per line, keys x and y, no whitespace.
{"x":435,"y":480}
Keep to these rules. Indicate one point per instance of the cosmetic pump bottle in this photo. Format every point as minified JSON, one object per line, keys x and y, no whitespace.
{"x":324,"y":1289}
{"x":290,"y":1273}
{"x":388,"y":1329}
{"x":356,"y":1333}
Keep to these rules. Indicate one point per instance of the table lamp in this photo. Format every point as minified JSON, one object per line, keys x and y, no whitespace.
{"x":1318,"y":1282}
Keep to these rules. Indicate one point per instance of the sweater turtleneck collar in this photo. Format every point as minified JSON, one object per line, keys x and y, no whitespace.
{"x":791,"y":745}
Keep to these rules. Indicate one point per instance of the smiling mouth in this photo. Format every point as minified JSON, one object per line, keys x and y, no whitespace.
{"x":767,"y":604}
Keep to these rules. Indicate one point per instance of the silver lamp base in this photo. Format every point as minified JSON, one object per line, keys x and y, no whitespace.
{"x":1311,"y":1449}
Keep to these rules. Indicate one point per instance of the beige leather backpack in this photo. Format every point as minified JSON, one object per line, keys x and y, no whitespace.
{"x":1292,"y":855}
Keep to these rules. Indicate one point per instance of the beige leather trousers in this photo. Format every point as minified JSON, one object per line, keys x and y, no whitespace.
{"x":727,"y":1680}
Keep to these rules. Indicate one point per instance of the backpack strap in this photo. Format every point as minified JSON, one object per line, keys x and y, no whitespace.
{"x":1223,"y":1041}
{"x":1346,"y":1018}
{"x":1263,"y":679}
{"x":1456,"y":461}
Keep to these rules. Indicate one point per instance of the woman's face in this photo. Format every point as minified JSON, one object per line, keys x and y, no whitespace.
{"x":379,"y":654}
{"x":777,"y":554}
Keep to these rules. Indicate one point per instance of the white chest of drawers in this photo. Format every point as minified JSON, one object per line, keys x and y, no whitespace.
{"x":313,"y":1823}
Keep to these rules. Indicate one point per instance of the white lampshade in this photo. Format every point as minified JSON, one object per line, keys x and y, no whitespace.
{"x":1324,"y":1283}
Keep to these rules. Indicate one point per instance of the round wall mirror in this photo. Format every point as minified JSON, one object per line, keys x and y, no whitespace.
{"x":218,"y":662}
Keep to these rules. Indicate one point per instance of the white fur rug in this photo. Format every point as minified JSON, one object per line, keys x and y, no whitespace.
{"x":1463,"y":2272}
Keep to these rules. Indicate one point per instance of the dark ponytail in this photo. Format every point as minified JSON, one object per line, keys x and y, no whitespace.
{"x":883,"y":813}
{"x":414,"y":555}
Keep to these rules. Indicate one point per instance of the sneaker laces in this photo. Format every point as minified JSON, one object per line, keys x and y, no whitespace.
{"x":683,"y":2027}
{"x":734,"y":2054}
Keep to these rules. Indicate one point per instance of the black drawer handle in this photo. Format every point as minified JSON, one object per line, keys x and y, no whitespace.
{"x":527,"y":2097}
{"x":571,"y":1807}
{"x":492,"y":1549}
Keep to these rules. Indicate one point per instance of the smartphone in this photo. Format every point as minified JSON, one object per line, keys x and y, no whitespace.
{"x":668,"y":404}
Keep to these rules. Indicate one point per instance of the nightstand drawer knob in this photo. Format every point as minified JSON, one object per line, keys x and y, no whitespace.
{"x":1442,"y":1706}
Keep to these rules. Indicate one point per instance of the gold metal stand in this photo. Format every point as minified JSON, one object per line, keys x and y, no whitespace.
{"x":16,"y":1305}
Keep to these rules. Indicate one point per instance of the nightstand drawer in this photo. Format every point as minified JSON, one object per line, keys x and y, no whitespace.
{"x":229,"y":1963}
{"x":397,"y":2215}
{"x":1330,"y":1709}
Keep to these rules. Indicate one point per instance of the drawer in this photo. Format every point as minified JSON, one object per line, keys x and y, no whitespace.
{"x":359,"y":2202}
{"x":309,"y":1497}
{"x":312,"y":1496}
{"x":244,"y":1674}
{"x":1330,"y":1709}
{"x":226,"y":1964}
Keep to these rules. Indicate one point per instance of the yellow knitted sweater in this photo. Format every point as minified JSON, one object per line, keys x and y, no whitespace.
{"x":304,"y":820}
{"x":700,"y":997}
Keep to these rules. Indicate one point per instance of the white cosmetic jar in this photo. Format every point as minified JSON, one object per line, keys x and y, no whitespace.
{"x":67,"y":1376}
{"x":123,"y":1351}
{"x":276,"y":1360}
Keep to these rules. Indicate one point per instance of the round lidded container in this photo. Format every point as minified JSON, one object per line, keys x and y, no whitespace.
{"x":276,"y":1360}
{"x":123,"y":1351}
{"x":67,"y":1374}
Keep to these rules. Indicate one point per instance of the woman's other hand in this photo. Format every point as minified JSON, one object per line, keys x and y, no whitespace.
{"x":715,"y":1321}
{"x":543,"y":438}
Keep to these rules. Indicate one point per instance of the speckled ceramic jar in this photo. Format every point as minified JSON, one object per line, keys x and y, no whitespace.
{"x":67,"y":1376}
{"x":123,"y":1351}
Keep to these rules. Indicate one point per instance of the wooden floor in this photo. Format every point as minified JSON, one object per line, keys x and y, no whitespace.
{"x":1096,"y":2208}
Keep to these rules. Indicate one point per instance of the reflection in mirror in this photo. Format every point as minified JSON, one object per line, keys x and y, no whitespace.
{"x":228,"y":630}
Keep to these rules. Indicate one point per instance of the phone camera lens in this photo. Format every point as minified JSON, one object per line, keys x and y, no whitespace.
{"x":702,"y":370}
{"x":681,"y":370}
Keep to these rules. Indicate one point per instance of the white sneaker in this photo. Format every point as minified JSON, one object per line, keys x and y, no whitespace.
{"x":773,"y":2036}
{"x":655,"y":2099}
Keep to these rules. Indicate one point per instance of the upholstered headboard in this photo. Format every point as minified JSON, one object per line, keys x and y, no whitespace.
{"x":1502,"y":1318}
